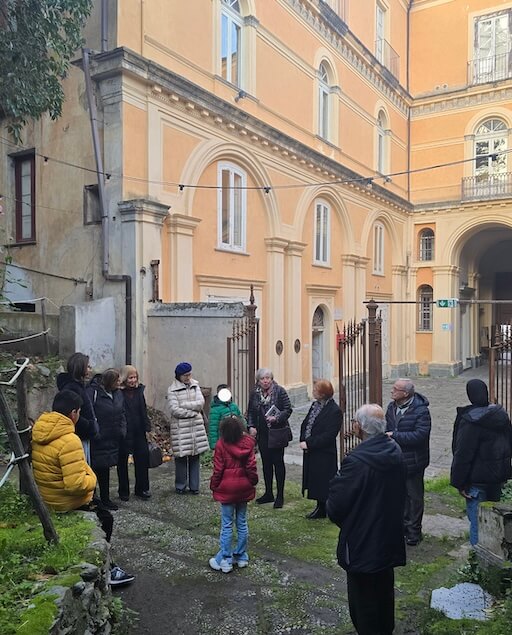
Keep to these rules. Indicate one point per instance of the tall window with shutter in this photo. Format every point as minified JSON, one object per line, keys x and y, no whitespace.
{"x":492,"y":47}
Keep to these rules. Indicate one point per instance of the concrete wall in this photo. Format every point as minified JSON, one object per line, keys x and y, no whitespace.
{"x":195,"y":332}
{"x":91,"y":329}
{"x":17,"y":324}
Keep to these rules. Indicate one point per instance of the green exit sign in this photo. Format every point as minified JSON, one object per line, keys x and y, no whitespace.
{"x":448,"y":303}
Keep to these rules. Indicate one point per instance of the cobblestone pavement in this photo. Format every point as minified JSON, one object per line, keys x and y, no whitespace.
{"x":444,"y":395}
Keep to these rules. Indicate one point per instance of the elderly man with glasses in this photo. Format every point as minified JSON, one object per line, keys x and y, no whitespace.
{"x":408,"y":423}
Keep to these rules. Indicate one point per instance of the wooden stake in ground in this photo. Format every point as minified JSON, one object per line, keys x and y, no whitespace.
{"x":27,"y":477}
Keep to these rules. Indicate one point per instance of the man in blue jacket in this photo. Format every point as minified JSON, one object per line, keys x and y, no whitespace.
{"x":366,"y":499}
{"x":408,"y":423}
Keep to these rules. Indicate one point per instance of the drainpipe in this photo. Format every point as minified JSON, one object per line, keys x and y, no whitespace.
{"x":104,"y":26}
{"x":105,"y":225}
{"x":409,"y":109}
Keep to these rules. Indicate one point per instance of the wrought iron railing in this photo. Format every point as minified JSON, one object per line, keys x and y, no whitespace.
{"x":387,"y":56}
{"x":489,"y":69}
{"x":340,"y":7}
{"x":487,"y":186}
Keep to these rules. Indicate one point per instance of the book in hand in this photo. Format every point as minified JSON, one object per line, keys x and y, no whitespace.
{"x":273,"y":411}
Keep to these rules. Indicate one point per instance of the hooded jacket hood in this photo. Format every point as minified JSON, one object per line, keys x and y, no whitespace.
{"x":477,"y":392}
{"x":491,"y":417}
{"x":242,"y":449}
{"x":379,"y":452}
{"x":51,"y":426}
{"x":63,"y":379}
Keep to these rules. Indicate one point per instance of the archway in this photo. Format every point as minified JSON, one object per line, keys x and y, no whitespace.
{"x":485,"y":275}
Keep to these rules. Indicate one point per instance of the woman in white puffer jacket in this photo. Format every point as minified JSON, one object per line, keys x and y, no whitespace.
{"x":188,"y":434}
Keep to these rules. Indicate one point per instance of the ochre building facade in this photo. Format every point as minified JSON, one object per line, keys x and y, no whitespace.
{"x":324,"y":153}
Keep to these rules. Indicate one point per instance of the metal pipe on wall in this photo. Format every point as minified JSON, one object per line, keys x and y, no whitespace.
{"x":105,"y":226}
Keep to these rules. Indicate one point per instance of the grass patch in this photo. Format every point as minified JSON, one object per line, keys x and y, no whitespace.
{"x":29,"y":565}
{"x":289,"y":533}
{"x":440,"y":485}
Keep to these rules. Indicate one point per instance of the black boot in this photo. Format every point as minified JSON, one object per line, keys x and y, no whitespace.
{"x":267,"y":497}
{"x":318,"y":512}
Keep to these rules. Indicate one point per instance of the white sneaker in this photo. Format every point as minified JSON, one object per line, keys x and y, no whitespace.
{"x":241,"y":564}
{"x":224,"y":566}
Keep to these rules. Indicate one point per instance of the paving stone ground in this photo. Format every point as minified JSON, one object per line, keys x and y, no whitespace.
{"x":444,"y":395}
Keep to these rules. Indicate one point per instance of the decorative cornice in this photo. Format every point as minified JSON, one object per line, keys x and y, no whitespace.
{"x":277,"y":245}
{"x":142,"y":210}
{"x":221,"y":281}
{"x":182,"y":224}
{"x":182,"y":94}
{"x":468,"y":97}
{"x":339,"y":36}
{"x":323,"y":289}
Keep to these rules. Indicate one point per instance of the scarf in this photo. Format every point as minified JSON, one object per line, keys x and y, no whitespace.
{"x":313,"y":414}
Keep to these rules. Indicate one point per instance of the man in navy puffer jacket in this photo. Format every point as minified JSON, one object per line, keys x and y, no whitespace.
{"x":408,"y":423}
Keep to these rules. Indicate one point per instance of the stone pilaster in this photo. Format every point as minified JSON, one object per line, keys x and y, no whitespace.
{"x":141,"y":228}
{"x":180,"y":232}
{"x":274,"y":311}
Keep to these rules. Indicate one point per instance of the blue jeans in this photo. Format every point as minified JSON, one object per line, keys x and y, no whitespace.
{"x":477,"y":496}
{"x":238,"y":511}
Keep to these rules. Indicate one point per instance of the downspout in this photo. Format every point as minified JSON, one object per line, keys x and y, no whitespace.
{"x":104,"y":26}
{"x":105,"y":226}
{"x":409,"y":109}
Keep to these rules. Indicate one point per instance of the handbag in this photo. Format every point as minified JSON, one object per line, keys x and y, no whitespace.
{"x":155,"y":455}
{"x":279,"y":437}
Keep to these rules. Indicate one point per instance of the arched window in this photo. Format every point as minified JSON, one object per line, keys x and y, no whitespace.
{"x":231,"y":41}
{"x":324,"y":91}
{"x":427,"y":240}
{"x":490,"y":148}
{"x":231,"y":207}
{"x":322,"y":233}
{"x":378,"y":248}
{"x":425,"y":301}
{"x":381,"y":150}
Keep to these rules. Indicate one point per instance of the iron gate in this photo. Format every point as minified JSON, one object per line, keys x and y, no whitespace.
{"x":500,"y":367}
{"x":242,"y":355}
{"x":359,"y":370}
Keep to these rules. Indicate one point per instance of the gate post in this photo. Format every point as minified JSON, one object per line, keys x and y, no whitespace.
{"x":374,"y":355}
{"x":251,"y":314}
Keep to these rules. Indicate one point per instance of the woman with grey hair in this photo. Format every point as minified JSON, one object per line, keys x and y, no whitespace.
{"x":269,"y":407}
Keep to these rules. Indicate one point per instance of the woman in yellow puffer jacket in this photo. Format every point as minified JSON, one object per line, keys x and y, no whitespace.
{"x":62,"y":475}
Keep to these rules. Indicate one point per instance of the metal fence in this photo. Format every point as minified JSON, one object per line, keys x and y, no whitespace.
{"x":500,"y":368}
{"x":359,"y":370}
{"x":242,"y":355}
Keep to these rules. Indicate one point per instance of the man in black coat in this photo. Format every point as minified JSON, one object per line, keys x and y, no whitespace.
{"x":482,"y":450}
{"x":366,"y":499}
{"x":408,"y":423}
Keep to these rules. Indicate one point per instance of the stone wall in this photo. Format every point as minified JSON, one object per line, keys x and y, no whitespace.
{"x":84,"y":597}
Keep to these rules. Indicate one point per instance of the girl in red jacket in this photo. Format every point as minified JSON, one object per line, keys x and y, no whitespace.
{"x":233,"y":483}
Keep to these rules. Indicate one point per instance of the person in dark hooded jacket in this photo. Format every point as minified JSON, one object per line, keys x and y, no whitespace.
{"x":75,"y":380}
{"x":108,"y":403}
{"x":366,"y":500}
{"x":482,"y":451}
{"x":408,"y":423}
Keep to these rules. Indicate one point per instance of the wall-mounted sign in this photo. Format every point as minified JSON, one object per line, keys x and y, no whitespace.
{"x":448,"y":303}
{"x":447,"y":327}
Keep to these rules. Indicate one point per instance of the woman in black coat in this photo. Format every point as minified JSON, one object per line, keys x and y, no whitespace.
{"x":135,"y":442}
{"x":267,"y":394}
{"x":75,"y":379}
{"x":318,"y":440}
{"x":108,"y":405}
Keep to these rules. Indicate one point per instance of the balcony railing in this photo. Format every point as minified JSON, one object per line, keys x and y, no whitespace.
{"x":488,"y":186}
{"x":340,"y":7}
{"x":489,"y":69}
{"x":387,"y":56}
